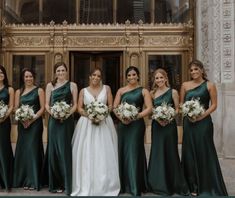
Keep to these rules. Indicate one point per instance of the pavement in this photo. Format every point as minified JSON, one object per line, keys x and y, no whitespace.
{"x":227,"y":166}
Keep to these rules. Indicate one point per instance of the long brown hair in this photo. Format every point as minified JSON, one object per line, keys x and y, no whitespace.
{"x":22,"y":87}
{"x":200,"y":65}
{"x":163,"y":72}
{"x":5,"y":80}
{"x":53,"y":82}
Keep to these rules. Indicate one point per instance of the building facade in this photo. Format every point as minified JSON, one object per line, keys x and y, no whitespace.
{"x":115,"y":34}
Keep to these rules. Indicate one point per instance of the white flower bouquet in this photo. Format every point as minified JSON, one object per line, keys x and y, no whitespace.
{"x":127,"y":111}
{"x":3,"y":109}
{"x":60,"y":110}
{"x":164,"y":113}
{"x":192,"y":108}
{"x":96,"y":111}
{"x":24,"y":113}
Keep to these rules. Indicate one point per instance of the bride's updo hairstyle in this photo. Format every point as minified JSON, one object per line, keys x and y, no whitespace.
{"x":130,"y":68}
{"x":92,"y":71}
{"x":96,"y":69}
{"x":199,"y":64}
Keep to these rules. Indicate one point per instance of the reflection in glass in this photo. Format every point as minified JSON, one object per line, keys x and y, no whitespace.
{"x":171,"y":11}
{"x":133,"y":10}
{"x":36,"y":63}
{"x":59,"y":11}
{"x":96,"y":11}
{"x":21,"y":11}
{"x":172,"y":65}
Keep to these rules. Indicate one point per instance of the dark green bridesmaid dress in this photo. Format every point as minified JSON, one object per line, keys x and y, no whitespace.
{"x":59,"y":144}
{"x":165,"y":175}
{"x":132,"y":159}
{"x":199,"y":158}
{"x":6,"y":154}
{"x":29,"y":147}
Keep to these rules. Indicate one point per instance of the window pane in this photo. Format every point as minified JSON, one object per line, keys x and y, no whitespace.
{"x":59,"y":10}
{"x":133,"y":10}
{"x":36,"y":63}
{"x":21,"y":11}
{"x":96,"y":11}
{"x":172,"y":65}
{"x":174,"y":11}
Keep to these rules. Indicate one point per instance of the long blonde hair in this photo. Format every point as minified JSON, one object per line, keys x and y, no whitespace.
{"x":163,"y":72}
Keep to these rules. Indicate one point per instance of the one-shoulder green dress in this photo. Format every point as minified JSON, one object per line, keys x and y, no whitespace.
{"x":199,"y":158}
{"x":59,"y":144}
{"x":165,"y":175}
{"x":6,"y":154}
{"x":29,"y":149}
{"x":132,"y":159}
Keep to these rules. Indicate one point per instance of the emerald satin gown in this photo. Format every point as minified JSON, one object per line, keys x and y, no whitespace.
{"x":6,"y":154}
{"x":29,"y":148}
{"x":59,"y":144}
{"x":199,"y":159}
{"x":165,"y":175}
{"x":132,"y":159}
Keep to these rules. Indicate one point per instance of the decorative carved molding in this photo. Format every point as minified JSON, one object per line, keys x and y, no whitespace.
{"x":216,"y":41}
{"x":169,"y":40}
{"x":227,"y":48}
{"x":25,"y":41}
{"x":126,"y":36}
{"x":204,"y":44}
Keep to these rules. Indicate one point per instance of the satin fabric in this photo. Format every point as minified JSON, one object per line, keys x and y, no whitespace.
{"x":59,"y":148}
{"x":165,"y":175}
{"x":199,"y":159}
{"x":29,"y":148}
{"x":132,"y":158}
{"x":6,"y":154}
{"x":95,"y":158}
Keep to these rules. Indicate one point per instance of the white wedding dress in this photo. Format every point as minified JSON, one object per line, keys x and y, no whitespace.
{"x":95,"y":158}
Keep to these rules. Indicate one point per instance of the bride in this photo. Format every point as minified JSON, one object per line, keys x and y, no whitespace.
{"x":94,"y":147}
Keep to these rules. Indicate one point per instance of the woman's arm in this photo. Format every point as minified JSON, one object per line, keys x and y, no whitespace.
{"x":48,"y":97}
{"x":10,"y":104}
{"x":148,"y":104}
{"x":109,"y":98}
{"x":182,"y":93}
{"x":80,"y":105}
{"x":175,"y":97}
{"x":42,"y":103}
{"x":74,"y":91}
{"x":213,"y":96}
{"x":17,"y":100}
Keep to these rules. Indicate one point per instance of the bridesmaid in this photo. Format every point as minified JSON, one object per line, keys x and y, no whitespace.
{"x":60,"y":134}
{"x":6,"y":154}
{"x":132,"y":159}
{"x":29,"y":147}
{"x":165,"y":176}
{"x":199,"y":159}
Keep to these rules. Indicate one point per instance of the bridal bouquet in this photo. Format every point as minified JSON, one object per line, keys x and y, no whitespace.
{"x":192,"y":108}
{"x":127,"y":111}
{"x":96,"y":111}
{"x":164,"y":113}
{"x":3,"y":109}
{"x":60,"y":110}
{"x":24,"y":113}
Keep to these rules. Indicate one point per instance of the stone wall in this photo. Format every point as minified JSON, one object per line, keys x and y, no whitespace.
{"x":215,"y":48}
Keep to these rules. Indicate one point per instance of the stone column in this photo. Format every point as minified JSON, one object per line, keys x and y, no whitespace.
{"x":215,"y":48}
